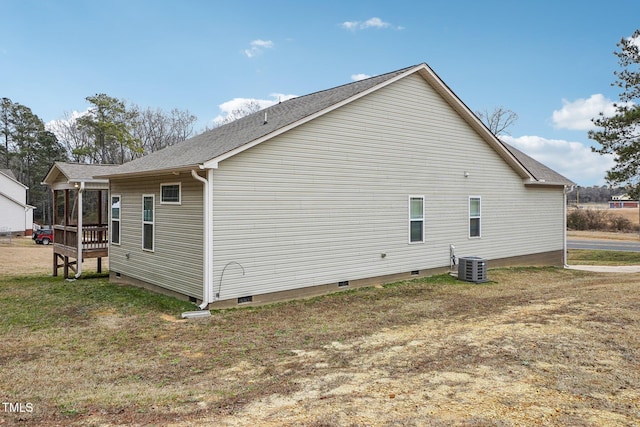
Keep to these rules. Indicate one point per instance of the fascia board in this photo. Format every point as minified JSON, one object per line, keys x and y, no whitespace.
{"x":213,"y":163}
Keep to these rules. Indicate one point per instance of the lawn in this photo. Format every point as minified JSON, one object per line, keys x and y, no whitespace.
{"x":535,"y":346}
{"x":598,"y":257}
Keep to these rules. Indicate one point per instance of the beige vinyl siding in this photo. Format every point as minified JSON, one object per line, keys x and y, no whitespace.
{"x":321,"y":203}
{"x":176,"y":261}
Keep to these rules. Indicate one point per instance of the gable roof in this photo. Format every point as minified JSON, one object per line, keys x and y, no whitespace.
{"x":9,"y":174}
{"x":211,"y":147}
{"x":224,"y":139}
{"x":77,"y":172}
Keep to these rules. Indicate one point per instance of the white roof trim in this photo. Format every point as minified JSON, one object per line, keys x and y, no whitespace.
{"x":438,"y":84}
{"x":213,"y":163}
{"x":17,"y":202}
{"x":441,"y":87}
{"x":15,"y":180}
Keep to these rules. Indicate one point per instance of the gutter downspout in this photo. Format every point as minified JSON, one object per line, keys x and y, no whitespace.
{"x":79,"y":259}
{"x":567,"y":189}
{"x":207,"y":285}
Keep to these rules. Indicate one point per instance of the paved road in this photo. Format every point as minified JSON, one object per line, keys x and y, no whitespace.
{"x":606,"y":245}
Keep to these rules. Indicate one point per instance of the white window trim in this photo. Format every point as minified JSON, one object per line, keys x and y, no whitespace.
{"x":119,"y":220}
{"x":420,"y":219}
{"x":179,"y":184}
{"x":152,"y":222}
{"x":479,"y":217}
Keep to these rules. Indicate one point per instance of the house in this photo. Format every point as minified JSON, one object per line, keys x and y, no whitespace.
{"x":16,"y":216}
{"x":80,"y":205}
{"x":622,"y":201}
{"x":365,"y":183}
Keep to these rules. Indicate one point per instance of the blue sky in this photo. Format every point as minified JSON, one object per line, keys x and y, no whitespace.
{"x":551,"y":62}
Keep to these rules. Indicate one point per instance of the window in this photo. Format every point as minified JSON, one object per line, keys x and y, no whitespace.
{"x":148,"y":219}
{"x":115,"y":220}
{"x":416,"y":219}
{"x":474,"y":216}
{"x":170,"y":193}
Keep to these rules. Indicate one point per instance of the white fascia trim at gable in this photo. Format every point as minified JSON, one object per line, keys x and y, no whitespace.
{"x":17,"y":202}
{"x":14,"y":180}
{"x":467,"y":115}
{"x":213,"y":163}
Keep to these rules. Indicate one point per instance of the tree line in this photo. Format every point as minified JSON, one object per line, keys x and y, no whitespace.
{"x":594,"y":194}
{"x":110,"y":131}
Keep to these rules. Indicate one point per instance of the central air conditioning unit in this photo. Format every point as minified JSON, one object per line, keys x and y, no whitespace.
{"x":472,"y":269}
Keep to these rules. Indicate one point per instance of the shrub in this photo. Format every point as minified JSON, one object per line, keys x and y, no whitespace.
{"x":588,"y":219}
{"x":598,"y":220}
{"x":619,"y":223}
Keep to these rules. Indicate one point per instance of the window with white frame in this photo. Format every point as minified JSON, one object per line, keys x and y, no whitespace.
{"x":148,"y":221}
{"x":170,"y":193}
{"x":416,"y":219}
{"x":115,"y":219}
{"x":474,"y":216}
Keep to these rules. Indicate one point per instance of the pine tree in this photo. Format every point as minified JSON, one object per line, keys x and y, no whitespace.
{"x":619,"y":134}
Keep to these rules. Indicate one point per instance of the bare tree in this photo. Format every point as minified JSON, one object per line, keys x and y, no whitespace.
{"x":498,"y":120}
{"x":158,"y":129}
{"x":249,"y":107}
{"x":71,"y":136}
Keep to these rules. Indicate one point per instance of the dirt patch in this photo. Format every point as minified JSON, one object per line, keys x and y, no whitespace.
{"x":524,"y":366}
{"x":22,"y":256}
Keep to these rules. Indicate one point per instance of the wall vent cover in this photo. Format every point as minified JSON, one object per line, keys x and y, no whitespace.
{"x":472,"y":269}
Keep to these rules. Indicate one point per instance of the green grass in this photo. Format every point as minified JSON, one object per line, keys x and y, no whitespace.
{"x":596,"y":257}
{"x":39,"y":302}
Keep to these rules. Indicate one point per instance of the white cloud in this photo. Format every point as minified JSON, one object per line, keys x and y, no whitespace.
{"x":374,"y":22}
{"x":236,"y":104}
{"x":257,"y":47}
{"x":571,"y":159}
{"x":350,"y":25}
{"x":577,"y":115}
{"x":360,"y":76}
{"x":634,"y":40}
{"x":59,"y":127}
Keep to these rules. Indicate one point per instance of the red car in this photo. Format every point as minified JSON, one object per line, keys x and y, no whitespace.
{"x":44,"y":236}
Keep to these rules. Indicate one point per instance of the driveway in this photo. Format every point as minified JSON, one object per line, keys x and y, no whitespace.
{"x":604,"y":245}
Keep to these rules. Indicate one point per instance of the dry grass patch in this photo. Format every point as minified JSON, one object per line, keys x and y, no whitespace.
{"x":534,"y":347}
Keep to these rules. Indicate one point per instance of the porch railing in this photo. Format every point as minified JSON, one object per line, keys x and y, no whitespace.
{"x":93,"y":236}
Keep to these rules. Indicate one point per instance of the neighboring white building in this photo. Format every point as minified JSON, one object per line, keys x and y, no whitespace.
{"x":16,"y":216}
{"x":622,"y":201}
{"x":365,"y":183}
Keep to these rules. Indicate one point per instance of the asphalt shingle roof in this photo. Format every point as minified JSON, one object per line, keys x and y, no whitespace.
{"x":538,"y":170}
{"x":76,"y":172}
{"x":221,"y":140}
